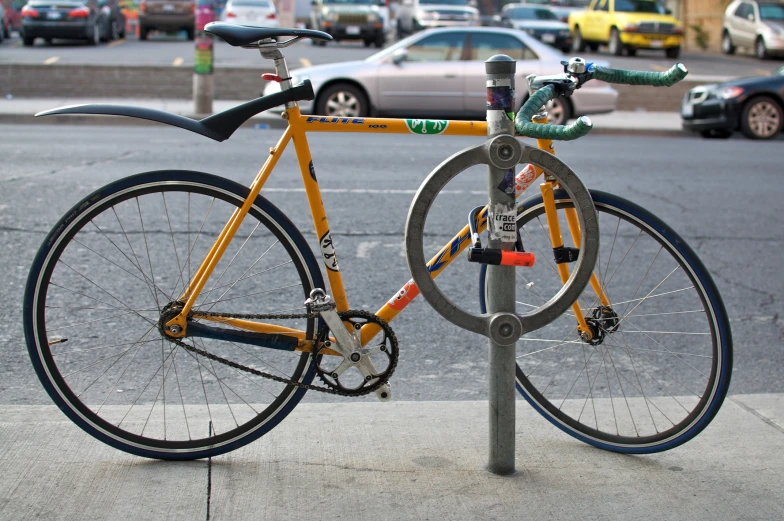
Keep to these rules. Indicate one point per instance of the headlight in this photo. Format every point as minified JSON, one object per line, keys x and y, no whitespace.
{"x":631,"y":28}
{"x":728,"y":92}
{"x":332,"y":16}
{"x":373,"y":17}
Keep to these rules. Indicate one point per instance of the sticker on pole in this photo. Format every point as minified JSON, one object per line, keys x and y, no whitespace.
{"x":502,"y":223}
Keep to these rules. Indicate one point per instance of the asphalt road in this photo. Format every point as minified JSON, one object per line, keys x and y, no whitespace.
{"x":165,"y":50}
{"x":723,"y":197}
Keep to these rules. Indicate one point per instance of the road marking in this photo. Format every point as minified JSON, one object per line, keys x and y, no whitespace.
{"x":364,"y":248}
{"x":658,"y":68}
{"x":763,"y":72}
{"x":51,"y":60}
{"x":177,"y":62}
{"x":116,"y":42}
{"x":305,"y":62}
{"x":372,"y":191}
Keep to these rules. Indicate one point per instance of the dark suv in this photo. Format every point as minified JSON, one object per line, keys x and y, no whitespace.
{"x":166,"y":16}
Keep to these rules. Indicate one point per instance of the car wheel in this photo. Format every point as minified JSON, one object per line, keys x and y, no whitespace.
{"x":143,"y":31}
{"x":716,"y":134}
{"x":342,"y":100}
{"x":114,"y":34}
{"x":558,"y":111}
{"x":673,"y":52}
{"x":726,"y":44}
{"x":94,"y":37}
{"x":760,"y":50}
{"x":28,"y":41}
{"x":578,"y":45}
{"x":368,"y":43}
{"x":380,"y":41}
{"x":593,"y":46}
{"x":616,"y":47}
{"x":761,"y":118}
{"x":631,"y":51}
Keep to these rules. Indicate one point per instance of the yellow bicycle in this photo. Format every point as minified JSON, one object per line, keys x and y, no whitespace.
{"x":173,"y":297}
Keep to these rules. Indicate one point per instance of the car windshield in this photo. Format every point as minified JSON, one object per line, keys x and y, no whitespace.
{"x":638,"y":6}
{"x":531,"y":13}
{"x":250,"y":3}
{"x":772,"y":12}
{"x":444,"y":2}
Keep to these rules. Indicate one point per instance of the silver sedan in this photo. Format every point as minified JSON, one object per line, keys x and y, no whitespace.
{"x":441,"y":72}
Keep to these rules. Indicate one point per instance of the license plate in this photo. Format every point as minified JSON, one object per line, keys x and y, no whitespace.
{"x":657,"y":44}
{"x":352,"y":29}
{"x":53,"y":15}
{"x":168,"y":7}
{"x":687,"y":110}
{"x":548,"y":38}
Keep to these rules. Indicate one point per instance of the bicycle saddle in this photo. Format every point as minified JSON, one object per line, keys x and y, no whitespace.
{"x":244,"y":35}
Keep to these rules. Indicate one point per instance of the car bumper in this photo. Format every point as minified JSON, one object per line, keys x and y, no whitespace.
{"x":77,"y":29}
{"x":166,"y":23}
{"x":594,"y":100}
{"x":710,"y":114}
{"x":651,"y":41}
{"x":357,"y":32}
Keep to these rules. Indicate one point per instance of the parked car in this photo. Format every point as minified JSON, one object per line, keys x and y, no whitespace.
{"x":113,"y":20}
{"x":561,"y":8}
{"x":66,"y":19}
{"x":626,"y":25}
{"x":752,"y":105}
{"x":349,"y":20}
{"x":260,"y":13}
{"x":415,"y":15}
{"x":540,"y":22}
{"x":754,"y":25}
{"x":441,"y":72}
{"x":166,"y":16}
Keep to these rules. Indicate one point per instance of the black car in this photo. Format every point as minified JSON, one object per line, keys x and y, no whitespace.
{"x":90,"y":20}
{"x":755,"y":106}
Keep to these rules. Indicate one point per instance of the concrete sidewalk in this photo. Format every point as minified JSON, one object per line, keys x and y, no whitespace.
{"x":21,"y":110}
{"x":399,"y":461}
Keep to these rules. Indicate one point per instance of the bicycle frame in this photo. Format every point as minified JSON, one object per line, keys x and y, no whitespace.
{"x":298,"y":126}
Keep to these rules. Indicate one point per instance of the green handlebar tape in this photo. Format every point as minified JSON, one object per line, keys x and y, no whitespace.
{"x":525,"y":127}
{"x":657,"y":79}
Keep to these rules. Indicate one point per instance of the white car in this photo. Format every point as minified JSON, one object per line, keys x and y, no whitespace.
{"x":257,"y":13}
{"x":441,"y":72}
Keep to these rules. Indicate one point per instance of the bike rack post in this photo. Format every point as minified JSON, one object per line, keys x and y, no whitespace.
{"x":502,"y":225}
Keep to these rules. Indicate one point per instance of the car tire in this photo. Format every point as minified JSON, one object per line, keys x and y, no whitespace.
{"x":28,"y":41}
{"x":762,"y":118}
{"x":379,"y":41}
{"x":342,"y":100}
{"x":760,"y":50}
{"x":190,"y":34}
{"x":578,"y":45}
{"x":630,"y":51}
{"x":114,"y":31}
{"x":143,"y":32}
{"x":716,"y":134}
{"x":727,"y":47}
{"x":673,"y":52}
{"x":94,"y":37}
{"x":615,"y":45}
{"x":368,"y":43}
{"x":559,"y":112}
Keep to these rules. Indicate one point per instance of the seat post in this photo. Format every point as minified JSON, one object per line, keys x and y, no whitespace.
{"x":269,"y":50}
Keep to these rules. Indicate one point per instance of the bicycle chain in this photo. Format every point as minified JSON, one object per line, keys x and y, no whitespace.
{"x":287,"y":381}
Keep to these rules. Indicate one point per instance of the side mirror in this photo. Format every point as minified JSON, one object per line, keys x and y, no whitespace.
{"x":399,"y":56}
{"x":750,"y":17}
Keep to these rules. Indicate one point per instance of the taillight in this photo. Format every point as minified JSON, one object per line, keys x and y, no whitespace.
{"x":81,"y":12}
{"x":229,"y":14}
{"x":271,"y":16}
{"x":29,"y":12}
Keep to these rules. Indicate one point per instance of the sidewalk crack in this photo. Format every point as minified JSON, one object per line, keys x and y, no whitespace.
{"x":757,"y":414}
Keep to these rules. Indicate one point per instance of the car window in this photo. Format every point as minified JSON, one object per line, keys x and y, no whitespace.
{"x":740,"y":12}
{"x":772,"y":12}
{"x":638,"y":6}
{"x":531,"y":13}
{"x":485,"y":45}
{"x":604,"y":5}
{"x":437,"y":47}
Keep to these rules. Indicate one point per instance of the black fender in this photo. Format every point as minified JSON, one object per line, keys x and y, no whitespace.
{"x":219,"y":126}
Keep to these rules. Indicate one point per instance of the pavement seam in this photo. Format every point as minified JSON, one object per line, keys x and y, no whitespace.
{"x":757,"y":414}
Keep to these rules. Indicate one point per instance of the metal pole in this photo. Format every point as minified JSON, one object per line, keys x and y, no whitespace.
{"x":502,"y":225}
{"x":203,"y":87}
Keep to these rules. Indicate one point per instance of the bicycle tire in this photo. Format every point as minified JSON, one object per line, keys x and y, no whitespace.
{"x":638,"y":414}
{"x":100,"y":280}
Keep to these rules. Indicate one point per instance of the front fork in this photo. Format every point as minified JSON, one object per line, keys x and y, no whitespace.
{"x":547,"y":188}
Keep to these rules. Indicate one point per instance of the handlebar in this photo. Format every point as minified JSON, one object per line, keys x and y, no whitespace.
{"x":566,"y":83}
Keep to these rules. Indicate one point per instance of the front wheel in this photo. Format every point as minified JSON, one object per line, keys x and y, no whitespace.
{"x":578,"y":45}
{"x":761,"y":118}
{"x":659,"y":364}
{"x":760,"y":49}
{"x":103,"y":279}
{"x":727,"y":47}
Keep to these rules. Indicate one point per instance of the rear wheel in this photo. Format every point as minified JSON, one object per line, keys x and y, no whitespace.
{"x":659,"y":364}
{"x":760,"y":49}
{"x":342,"y":100}
{"x":727,"y":47}
{"x":97,"y":292}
